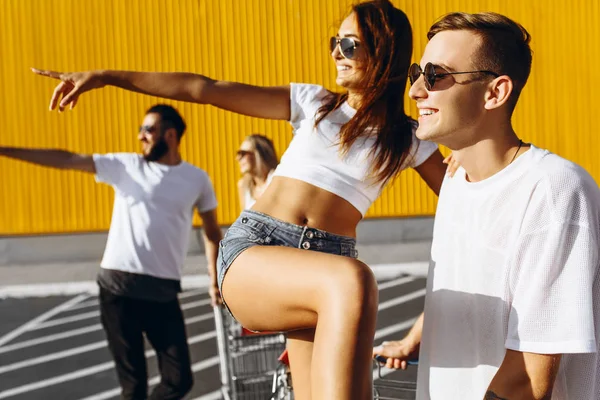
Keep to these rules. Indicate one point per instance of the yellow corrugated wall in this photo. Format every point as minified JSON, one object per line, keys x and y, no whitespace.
{"x":265,"y":42}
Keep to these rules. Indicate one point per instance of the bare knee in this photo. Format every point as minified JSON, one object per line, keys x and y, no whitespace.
{"x":354,"y":287}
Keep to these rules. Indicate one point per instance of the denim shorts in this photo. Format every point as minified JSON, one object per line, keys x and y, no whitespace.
{"x":257,"y":229}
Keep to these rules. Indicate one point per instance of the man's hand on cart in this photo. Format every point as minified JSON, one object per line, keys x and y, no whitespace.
{"x":397,"y":354}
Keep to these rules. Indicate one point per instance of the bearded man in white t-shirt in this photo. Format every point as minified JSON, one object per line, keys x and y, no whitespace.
{"x":156,"y":193}
{"x":512,"y":309}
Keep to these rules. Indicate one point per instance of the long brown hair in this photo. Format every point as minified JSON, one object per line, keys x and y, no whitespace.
{"x":386,"y":36}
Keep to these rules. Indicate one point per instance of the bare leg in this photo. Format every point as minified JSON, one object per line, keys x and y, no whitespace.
{"x":300,"y":349}
{"x":281,"y":288}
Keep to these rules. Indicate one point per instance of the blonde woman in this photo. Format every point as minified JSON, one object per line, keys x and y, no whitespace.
{"x":258,"y":161}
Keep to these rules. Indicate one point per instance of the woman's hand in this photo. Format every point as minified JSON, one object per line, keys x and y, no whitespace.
{"x":72,"y":85}
{"x":215,"y":296}
{"x":452,"y":165}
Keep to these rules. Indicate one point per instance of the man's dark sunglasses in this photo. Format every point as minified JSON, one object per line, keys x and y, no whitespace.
{"x":347,"y":46}
{"x":431,"y":76}
{"x":148,"y":128}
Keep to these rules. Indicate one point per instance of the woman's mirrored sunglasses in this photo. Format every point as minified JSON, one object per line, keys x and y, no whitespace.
{"x":347,"y":46}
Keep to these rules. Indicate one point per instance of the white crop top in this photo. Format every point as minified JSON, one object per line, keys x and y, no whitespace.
{"x":248,"y":199}
{"x":314,"y":156}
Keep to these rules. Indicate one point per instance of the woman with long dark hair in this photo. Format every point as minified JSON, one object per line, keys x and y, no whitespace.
{"x":346,"y":147}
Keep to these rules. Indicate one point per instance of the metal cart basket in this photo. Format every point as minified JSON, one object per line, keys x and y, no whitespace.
{"x":388,"y":389}
{"x":248,"y":361}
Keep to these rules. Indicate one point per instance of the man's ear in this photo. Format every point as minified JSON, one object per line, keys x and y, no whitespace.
{"x":171,"y":134}
{"x":498,"y":93}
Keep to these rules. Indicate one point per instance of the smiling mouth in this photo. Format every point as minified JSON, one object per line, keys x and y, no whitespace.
{"x":425,"y":112}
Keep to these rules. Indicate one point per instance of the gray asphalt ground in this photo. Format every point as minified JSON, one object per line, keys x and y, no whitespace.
{"x":53,"y":347}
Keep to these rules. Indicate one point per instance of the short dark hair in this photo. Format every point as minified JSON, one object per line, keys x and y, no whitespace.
{"x":505,"y":44}
{"x":169,"y":117}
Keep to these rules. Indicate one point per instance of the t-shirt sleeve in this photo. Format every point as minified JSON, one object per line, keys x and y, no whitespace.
{"x":420,"y":150}
{"x":110,"y":168}
{"x":552,"y":288}
{"x":305,"y":100}
{"x":207,"y":200}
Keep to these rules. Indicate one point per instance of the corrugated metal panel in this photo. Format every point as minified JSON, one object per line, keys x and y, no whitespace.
{"x":265,"y":42}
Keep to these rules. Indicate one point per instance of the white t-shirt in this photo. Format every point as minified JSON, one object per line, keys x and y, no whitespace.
{"x":514,"y":266}
{"x":152,"y":214}
{"x":314,"y":157}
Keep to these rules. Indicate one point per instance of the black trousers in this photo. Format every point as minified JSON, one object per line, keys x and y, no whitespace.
{"x":125,"y":321}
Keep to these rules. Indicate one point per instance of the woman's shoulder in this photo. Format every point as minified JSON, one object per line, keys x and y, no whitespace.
{"x":244,"y":182}
{"x":307,"y":92}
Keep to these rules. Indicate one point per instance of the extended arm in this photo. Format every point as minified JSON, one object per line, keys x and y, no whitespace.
{"x":255,"y":101}
{"x":61,"y":159}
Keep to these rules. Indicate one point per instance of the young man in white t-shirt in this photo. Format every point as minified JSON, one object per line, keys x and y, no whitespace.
{"x":512,"y":309}
{"x":155,"y":196}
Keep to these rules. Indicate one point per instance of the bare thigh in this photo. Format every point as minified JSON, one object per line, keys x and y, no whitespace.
{"x":273,"y":288}
{"x":276,"y":288}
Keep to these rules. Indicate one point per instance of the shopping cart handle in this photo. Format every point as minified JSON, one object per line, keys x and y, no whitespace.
{"x":383,"y":360}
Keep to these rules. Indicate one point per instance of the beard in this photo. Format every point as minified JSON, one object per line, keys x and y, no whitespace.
{"x":157,"y":151}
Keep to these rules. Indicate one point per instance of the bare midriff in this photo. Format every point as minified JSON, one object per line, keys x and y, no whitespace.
{"x":301,"y":203}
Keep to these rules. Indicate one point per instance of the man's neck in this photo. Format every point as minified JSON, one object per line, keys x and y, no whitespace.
{"x":489,"y":156}
{"x":171,"y":159}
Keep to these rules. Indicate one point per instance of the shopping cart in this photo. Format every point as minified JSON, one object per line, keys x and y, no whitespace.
{"x":249,"y":362}
{"x":389,"y":389}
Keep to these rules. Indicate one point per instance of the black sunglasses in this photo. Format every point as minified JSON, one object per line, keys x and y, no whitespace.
{"x":431,"y":76}
{"x":242,"y":153}
{"x":147,"y":129}
{"x":347,"y":46}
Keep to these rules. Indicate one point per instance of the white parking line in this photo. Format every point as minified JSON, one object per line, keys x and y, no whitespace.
{"x":85,"y":304}
{"x":81,"y":331}
{"x":66,"y":320}
{"x":399,"y":327}
{"x":50,"y":338}
{"x":190,"y":293}
{"x":98,"y":368}
{"x":193,"y":304}
{"x":402,"y":299}
{"x":396,"y":282}
{"x":94,"y":302}
{"x":34,"y":322}
{"x":95,"y":346}
{"x":199,"y":318}
{"x":83,"y":287}
{"x":53,"y":356}
{"x":199,"y":366}
{"x":92,"y":314}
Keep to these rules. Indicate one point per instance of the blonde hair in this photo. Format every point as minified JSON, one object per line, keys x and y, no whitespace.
{"x":264,"y":156}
